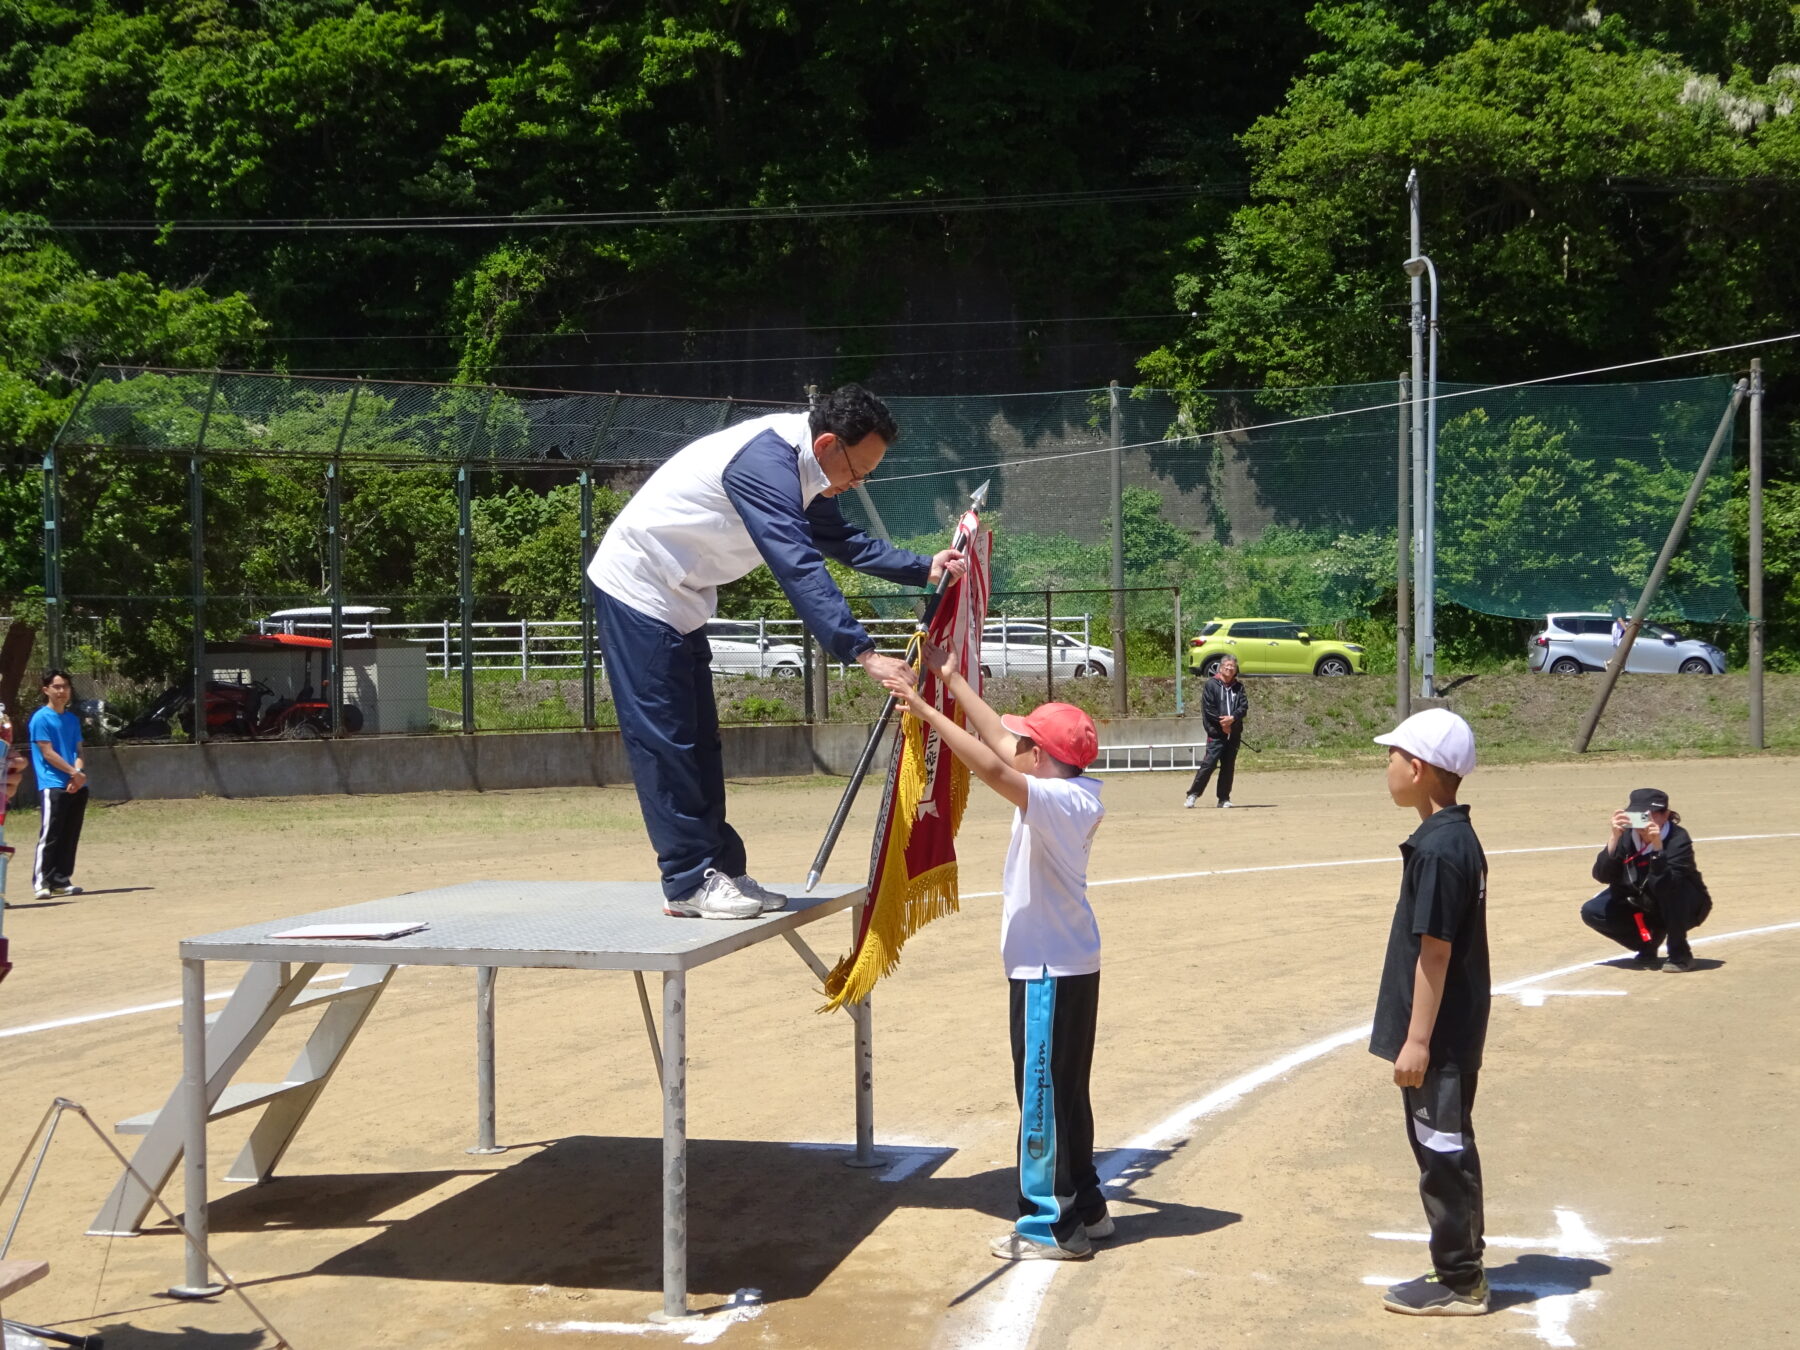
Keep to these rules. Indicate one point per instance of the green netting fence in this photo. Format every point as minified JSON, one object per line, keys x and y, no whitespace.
{"x":1282,"y":503}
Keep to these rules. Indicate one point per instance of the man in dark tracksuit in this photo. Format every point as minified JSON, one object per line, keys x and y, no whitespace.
{"x":762,"y":491}
{"x":1223,"y":704}
{"x":1653,"y":887}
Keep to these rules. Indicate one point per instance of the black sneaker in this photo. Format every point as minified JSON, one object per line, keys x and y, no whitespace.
{"x":1646,"y":961}
{"x":1686,"y":963}
{"x":1427,"y":1297}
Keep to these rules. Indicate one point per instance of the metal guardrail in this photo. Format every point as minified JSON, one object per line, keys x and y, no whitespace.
{"x":534,"y":647}
{"x":1147,"y":758}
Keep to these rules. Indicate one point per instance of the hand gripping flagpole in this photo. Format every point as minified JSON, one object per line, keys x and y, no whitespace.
{"x":977,"y":499}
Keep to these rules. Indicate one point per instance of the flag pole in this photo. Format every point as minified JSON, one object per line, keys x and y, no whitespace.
{"x":977,"y":499}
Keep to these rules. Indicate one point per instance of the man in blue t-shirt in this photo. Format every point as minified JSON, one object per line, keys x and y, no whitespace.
{"x":55,"y":735}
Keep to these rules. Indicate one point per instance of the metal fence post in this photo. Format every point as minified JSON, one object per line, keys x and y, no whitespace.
{"x":465,"y":592}
{"x":53,"y":622}
{"x":1121,"y":701}
{"x":334,"y":562}
{"x":1402,"y":586}
{"x":197,"y":559}
{"x":1180,"y":655}
{"x":1049,"y":653}
{"x":53,"y":591}
{"x":1757,"y":621}
{"x":589,"y":719}
{"x":465,"y":563}
{"x":1622,"y":653}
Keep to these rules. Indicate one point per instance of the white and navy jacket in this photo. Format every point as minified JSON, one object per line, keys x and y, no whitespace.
{"x":723,"y":504}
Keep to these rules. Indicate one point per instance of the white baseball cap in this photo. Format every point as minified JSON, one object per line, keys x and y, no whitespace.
{"x":1437,"y":736}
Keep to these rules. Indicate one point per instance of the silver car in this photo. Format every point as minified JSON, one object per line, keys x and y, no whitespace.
{"x":1571,"y":643}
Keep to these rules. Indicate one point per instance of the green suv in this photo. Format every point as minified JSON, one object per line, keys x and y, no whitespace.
{"x":1271,"y":647}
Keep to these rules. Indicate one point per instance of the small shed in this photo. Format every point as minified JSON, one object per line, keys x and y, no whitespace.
{"x":384,"y":677}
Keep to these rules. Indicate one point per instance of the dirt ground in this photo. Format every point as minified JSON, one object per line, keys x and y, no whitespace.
{"x":1635,"y":1127}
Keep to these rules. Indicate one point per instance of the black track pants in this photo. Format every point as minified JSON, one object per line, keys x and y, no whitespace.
{"x":1221,"y":752}
{"x":1442,"y":1135}
{"x":59,"y":834}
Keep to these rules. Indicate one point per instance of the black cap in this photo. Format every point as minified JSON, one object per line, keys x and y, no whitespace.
{"x":1648,"y":799}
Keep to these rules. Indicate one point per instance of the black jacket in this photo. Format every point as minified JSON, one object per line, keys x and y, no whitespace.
{"x":1218,"y":699}
{"x":1665,"y":884}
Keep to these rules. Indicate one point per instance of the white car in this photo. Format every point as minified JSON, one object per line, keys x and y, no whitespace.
{"x":739,"y":647}
{"x":1569,"y":644}
{"x":1014,"y":648}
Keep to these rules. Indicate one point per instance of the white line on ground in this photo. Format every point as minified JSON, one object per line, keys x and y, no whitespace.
{"x":744,"y":1305}
{"x":164,"y":1006}
{"x":1007,"y":1318}
{"x":1553,"y":1302}
{"x":1367,"y":862}
{"x":1534,"y":998}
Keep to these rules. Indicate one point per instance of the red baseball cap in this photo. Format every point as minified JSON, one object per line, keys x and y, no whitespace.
{"x":1065,"y":732}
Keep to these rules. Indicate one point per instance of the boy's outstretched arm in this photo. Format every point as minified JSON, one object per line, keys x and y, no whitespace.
{"x":983,"y":720}
{"x":1428,"y":993}
{"x":983,"y":761}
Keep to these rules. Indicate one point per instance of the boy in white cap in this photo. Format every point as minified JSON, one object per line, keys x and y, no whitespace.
{"x":1050,"y":945}
{"x":1431,"y":1015}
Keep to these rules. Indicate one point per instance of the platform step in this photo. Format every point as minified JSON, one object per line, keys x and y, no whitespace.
{"x":314,"y":999}
{"x":16,"y":1275}
{"x":237,"y":1097}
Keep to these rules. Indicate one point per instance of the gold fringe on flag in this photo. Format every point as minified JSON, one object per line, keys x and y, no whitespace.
{"x":901,"y":905}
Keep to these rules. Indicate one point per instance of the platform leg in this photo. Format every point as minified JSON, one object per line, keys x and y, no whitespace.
{"x":674,"y":1060}
{"x":862,"y":1017}
{"x":194,"y":1111}
{"x":484,"y":1062}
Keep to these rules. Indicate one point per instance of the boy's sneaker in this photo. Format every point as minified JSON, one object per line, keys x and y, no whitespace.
{"x":1015,"y":1246}
{"x":717,"y":898}
{"x":1101,"y":1227}
{"x":1189,"y":803}
{"x":768,"y":899}
{"x":1427,"y":1297}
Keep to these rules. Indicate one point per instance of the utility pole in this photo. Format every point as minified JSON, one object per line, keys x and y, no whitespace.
{"x":1421,"y":620}
{"x":1120,"y":696}
{"x":1756,"y":556}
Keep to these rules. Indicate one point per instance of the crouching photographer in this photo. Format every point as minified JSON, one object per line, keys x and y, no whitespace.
{"x":1654,"y":890}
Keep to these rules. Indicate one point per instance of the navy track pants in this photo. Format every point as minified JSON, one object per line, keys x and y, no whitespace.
{"x":662,"y":690}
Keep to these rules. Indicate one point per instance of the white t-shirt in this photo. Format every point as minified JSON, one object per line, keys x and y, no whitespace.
{"x":1046,"y":924}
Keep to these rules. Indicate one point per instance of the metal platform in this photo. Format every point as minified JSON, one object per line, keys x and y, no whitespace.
{"x":488,"y":925}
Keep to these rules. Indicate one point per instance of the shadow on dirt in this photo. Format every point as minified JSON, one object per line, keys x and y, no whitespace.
{"x":1534,"y":1276}
{"x":586,"y":1213}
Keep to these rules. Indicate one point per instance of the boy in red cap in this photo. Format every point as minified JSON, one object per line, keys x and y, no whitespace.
{"x":1050,"y":945}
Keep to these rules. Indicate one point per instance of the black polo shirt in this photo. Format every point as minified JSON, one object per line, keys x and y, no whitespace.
{"x":1443,"y":894}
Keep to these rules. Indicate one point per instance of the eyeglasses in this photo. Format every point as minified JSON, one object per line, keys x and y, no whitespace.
{"x":856,"y":479}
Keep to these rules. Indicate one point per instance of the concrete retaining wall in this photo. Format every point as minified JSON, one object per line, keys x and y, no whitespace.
{"x":488,"y":762}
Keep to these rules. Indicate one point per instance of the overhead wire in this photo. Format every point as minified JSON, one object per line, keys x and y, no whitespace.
{"x":632,"y":219}
{"x":1346,"y":412}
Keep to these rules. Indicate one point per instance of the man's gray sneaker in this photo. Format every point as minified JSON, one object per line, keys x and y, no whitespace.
{"x":768,"y":899}
{"x":1015,"y":1246}
{"x":717,"y":898}
{"x":1427,"y":1296}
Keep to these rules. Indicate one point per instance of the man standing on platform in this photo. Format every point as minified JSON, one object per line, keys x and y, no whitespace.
{"x":761,"y":491}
